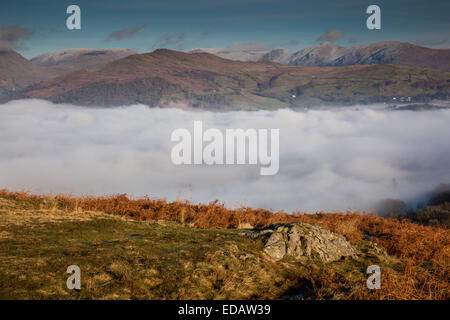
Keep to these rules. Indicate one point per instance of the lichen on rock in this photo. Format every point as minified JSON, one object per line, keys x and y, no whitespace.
{"x":302,"y":240}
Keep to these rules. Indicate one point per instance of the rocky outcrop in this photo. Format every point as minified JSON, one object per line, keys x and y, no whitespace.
{"x":302,"y":240}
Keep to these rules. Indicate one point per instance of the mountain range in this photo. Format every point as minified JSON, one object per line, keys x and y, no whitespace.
{"x":279,"y":78}
{"x":328,"y":54}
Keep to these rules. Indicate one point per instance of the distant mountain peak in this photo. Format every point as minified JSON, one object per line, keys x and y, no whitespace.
{"x":236,"y":55}
{"x":66,"y":55}
{"x":330,"y":54}
{"x":64,"y":61}
{"x":386,"y":52}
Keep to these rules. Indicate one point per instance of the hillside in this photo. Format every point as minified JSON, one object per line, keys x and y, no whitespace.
{"x":16,"y":72}
{"x":282,"y":56}
{"x":202,"y":80}
{"x":129,"y":254}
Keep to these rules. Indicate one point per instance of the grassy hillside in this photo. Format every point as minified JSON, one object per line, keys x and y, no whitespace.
{"x":125,"y":251}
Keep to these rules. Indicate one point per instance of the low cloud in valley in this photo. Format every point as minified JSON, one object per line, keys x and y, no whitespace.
{"x":329,"y":159}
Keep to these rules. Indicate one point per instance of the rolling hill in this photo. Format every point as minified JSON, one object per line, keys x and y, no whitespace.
{"x":16,"y":72}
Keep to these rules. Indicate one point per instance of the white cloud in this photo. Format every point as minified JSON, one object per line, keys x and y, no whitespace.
{"x":329,"y":160}
{"x":330,"y":35}
{"x":12,"y":36}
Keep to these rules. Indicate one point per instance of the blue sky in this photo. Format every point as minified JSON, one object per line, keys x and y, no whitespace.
{"x":144,"y":25}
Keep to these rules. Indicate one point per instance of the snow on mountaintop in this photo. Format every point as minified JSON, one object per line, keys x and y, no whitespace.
{"x":68,"y":55}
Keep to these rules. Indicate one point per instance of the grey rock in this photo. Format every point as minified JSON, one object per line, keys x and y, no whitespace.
{"x":302,"y":240}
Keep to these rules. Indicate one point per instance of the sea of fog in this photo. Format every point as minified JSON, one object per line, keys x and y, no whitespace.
{"x":329,"y":159}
